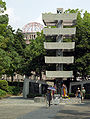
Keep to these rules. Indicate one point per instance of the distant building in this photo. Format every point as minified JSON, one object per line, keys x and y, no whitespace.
{"x":30,"y":31}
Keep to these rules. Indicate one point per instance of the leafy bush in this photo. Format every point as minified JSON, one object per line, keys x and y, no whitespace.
{"x":4,"y":85}
{"x":14,"y":90}
{"x":2,"y":93}
{"x":10,"y":89}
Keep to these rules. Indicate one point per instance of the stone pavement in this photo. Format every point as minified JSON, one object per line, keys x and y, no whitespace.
{"x":74,"y":111}
{"x":42,"y":113}
{"x":11,"y":108}
{"x":19,"y":108}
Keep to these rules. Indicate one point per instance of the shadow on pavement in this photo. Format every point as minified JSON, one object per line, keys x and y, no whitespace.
{"x":69,"y":117}
{"x":74,"y":112}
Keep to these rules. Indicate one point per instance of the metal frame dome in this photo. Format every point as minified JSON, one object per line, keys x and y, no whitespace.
{"x":32,"y":27}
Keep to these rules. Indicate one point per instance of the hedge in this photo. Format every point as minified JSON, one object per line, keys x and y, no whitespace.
{"x":2,"y":93}
{"x":4,"y":85}
{"x":14,"y":90}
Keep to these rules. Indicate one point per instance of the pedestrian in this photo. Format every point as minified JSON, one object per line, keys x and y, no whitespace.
{"x":78,"y":93}
{"x":53,"y":92}
{"x":83,"y":91}
{"x":48,"y":97}
{"x":64,"y":90}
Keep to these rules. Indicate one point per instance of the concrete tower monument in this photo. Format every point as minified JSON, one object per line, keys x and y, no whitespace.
{"x":63,"y":29}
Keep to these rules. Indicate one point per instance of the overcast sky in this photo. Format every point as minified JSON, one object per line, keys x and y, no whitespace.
{"x":22,"y":12}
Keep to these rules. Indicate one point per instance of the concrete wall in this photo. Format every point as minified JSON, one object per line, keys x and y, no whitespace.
{"x":26,"y":86}
{"x":81,"y":83}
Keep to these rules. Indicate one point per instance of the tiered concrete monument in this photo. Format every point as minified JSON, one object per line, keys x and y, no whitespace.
{"x":60,"y":20}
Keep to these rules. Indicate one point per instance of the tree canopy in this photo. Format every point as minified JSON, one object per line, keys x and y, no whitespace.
{"x":12,"y":46}
{"x":82,"y":51}
{"x":2,"y":6}
{"x":34,"y":56}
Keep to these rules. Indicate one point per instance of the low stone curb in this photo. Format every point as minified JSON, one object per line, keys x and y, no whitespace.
{"x":59,"y":100}
{"x":39,"y":99}
{"x":70,"y":101}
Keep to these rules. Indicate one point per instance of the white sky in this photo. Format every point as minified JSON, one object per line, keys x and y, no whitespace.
{"x":22,"y":12}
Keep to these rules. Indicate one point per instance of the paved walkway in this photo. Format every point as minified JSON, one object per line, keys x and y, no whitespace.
{"x":13,"y":107}
{"x":19,"y":108}
{"x":42,"y":113}
{"x":81,"y":111}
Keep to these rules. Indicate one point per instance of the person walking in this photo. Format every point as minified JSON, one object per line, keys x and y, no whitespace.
{"x":78,"y":93}
{"x":48,"y":97}
{"x":83,"y":91}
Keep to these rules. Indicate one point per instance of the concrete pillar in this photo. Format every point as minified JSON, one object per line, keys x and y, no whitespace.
{"x":25,"y":88}
{"x":59,"y":67}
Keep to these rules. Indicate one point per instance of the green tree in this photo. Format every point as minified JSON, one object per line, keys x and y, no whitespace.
{"x":4,"y":61}
{"x":12,"y":46}
{"x":2,"y":6}
{"x":15,"y":46}
{"x":4,"y":58}
{"x":82,"y":55}
{"x":19,"y":42}
{"x":34,"y":56}
{"x":19,"y":47}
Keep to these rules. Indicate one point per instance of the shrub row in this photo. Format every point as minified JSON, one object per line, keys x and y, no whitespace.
{"x":13,"y":90}
{"x":4,"y":85}
{"x":2,"y":93}
{"x":5,"y":89}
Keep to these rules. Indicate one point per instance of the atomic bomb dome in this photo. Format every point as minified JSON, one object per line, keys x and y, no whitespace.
{"x":30,"y":30}
{"x":32,"y":27}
